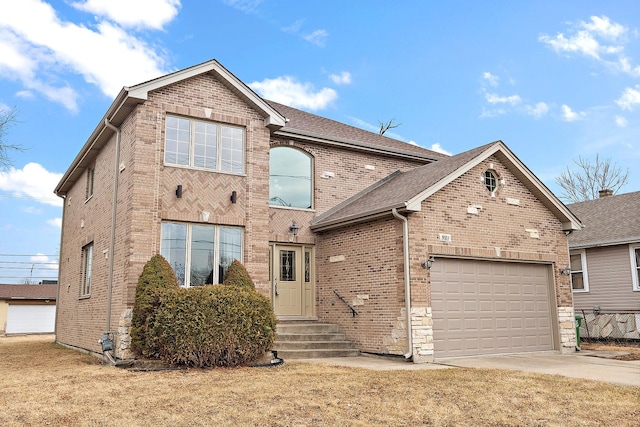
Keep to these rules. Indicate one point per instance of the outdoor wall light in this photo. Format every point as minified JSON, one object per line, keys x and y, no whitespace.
{"x":596,"y":309}
{"x":234,"y":197}
{"x":179,"y":191}
{"x":293,"y":228}
{"x":565,"y":271}
{"x":428,"y":263}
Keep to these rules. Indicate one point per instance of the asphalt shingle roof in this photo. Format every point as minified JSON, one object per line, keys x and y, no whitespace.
{"x":307,"y":124}
{"x":39,"y":292}
{"x":608,"y":221}
{"x":397,"y":189}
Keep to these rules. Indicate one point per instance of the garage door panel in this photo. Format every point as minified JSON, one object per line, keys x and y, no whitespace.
{"x":25,"y":319}
{"x":503,"y":307}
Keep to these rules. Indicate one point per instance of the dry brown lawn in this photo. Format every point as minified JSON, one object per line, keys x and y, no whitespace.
{"x":631,"y":348}
{"x":42,"y":383}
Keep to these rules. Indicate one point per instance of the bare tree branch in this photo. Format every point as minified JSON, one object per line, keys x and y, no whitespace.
{"x":7,"y":119}
{"x":586,"y":182}
{"x":388,"y":125}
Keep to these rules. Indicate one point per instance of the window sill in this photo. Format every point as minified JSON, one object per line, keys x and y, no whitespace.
{"x":291,"y":208}
{"x":580,"y":291}
{"x":84,"y":297}
{"x":193,"y":168}
{"x":89,"y":198}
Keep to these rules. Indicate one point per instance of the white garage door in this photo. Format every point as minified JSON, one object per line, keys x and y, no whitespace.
{"x":24,"y":319}
{"x":484,"y":307}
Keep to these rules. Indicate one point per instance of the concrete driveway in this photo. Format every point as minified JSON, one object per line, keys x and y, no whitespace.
{"x":589,"y":365}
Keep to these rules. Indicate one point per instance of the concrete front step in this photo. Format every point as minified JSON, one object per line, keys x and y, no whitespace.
{"x":309,"y":340}
{"x":314,"y":345}
{"x":307,"y":328}
{"x":316,"y":354}
{"x":286,"y":337}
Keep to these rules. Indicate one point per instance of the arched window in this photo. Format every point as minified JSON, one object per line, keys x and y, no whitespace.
{"x":290,"y":182}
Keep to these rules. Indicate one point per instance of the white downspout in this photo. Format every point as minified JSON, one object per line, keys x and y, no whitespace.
{"x":114,"y":203}
{"x":407,"y":279}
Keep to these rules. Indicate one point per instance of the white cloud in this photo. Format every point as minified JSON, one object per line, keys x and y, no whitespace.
{"x":288,"y":91}
{"x":600,"y":39}
{"x":32,"y":210}
{"x":490,"y":79}
{"x":365,"y":125}
{"x":630,"y":97}
{"x":32,"y":181}
{"x":493,"y":98}
{"x":44,"y":261}
{"x":604,"y":27}
{"x":246,"y":6}
{"x":318,"y":37}
{"x":153,"y":14}
{"x":344,"y":78}
{"x":621,"y":121}
{"x":295,"y":27}
{"x":568,"y":115}
{"x":538,"y":110}
{"x":39,"y":49}
{"x":438,"y":149}
{"x":56,"y":222}
{"x":492,"y":112}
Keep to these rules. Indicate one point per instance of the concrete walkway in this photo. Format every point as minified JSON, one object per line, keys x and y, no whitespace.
{"x":589,"y":365}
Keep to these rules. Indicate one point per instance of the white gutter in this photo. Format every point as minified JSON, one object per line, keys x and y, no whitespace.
{"x":114,"y":205}
{"x":407,"y":279}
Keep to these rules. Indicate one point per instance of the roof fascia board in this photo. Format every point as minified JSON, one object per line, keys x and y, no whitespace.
{"x":570,"y":221}
{"x":419,"y":198}
{"x":345,"y":143}
{"x":273,"y":119}
{"x":355,"y":219}
{"x":121,"y":101}
{"x":602,"y":244}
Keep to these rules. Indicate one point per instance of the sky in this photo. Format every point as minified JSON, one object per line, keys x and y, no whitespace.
{"x":554,"y":80}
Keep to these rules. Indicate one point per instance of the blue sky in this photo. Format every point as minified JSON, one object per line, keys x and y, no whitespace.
{"x":554,"y":80}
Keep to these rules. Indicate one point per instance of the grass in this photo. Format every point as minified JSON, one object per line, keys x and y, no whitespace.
{"x":631,"y":348}
{"x":45,"y":384}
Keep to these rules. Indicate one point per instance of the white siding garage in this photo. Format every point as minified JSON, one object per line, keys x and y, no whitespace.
{"x":487,"y":307}
{"x":25,"y":319}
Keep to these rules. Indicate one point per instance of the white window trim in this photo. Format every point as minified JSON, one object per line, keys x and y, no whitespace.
{"x":218,"y":151}
{"x":634,"y":268}
{"x":585,"y":275}
{"x":87,"y":270}
{"x":216,"y":248}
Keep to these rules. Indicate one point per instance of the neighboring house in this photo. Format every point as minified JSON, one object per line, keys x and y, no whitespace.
{"x":605,"y":264}
{"x":196,"y":166}
{"x":27,"y":309}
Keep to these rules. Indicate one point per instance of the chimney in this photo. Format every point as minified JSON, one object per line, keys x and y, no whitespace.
{"x":605,"y":193}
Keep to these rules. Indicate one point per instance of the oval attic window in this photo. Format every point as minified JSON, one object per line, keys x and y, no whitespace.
{"x":490,"y":181}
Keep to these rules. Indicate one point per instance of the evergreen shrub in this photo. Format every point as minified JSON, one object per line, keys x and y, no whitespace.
{"x":156,"y":279}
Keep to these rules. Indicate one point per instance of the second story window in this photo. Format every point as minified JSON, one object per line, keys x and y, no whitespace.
{"x":90,"y":178}
{"x":290,"y":183}
{"x":204,"y":145}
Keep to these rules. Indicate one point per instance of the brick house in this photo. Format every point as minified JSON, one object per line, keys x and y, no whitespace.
{"x":196,"y":166}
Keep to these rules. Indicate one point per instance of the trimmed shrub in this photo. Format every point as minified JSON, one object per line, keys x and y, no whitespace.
{"x":213,"y":325}
{"x":237,"y":275}
{"x":156,"y":279}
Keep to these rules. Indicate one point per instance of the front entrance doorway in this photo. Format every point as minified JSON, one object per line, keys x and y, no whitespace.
{"x":292,"y":281}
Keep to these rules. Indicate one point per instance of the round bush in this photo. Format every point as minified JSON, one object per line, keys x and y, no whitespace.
{"x":213,"y":325}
